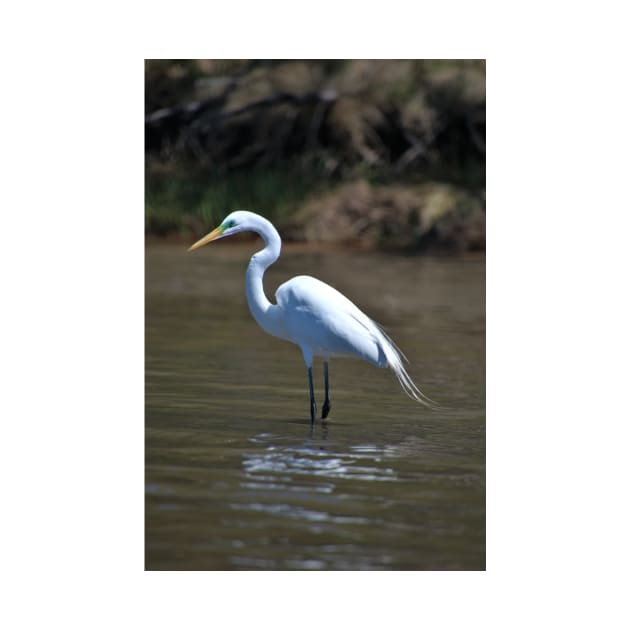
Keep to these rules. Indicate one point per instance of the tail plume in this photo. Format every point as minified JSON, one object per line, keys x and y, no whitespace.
{"x":395,"y":359}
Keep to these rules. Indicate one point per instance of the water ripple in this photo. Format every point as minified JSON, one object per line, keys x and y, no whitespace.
{"x":302,"y":462}
{"x":299,"y":513}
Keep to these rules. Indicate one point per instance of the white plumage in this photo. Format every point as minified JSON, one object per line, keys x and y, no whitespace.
{"x":311,"y":313}
{"x":323,"y":321}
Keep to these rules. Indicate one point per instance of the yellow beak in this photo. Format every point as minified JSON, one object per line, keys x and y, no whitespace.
{"x":207,"y":238}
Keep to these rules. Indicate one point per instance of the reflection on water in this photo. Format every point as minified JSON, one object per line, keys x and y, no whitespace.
{"x":316,"y":462}
{"x":235,"y":476}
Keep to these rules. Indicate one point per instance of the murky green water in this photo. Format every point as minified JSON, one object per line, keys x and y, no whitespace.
{"x":235,"y":480}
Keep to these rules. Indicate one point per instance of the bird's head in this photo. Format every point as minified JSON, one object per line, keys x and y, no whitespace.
{"x":234,"y":223}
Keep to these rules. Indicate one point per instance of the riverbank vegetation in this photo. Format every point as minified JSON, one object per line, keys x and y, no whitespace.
{"x":380,"y":153}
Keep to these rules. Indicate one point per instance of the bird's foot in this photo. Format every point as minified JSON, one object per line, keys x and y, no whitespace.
{"x":326,"y":409}
{"x":313,"y":411}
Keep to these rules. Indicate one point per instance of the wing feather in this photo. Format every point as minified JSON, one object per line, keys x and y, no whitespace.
{"x":329,"y":324}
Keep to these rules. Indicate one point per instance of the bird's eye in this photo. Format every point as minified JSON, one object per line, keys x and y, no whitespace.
{"x":229,"y":224}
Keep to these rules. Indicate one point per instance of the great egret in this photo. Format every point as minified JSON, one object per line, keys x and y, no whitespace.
{"x":311,"y":314}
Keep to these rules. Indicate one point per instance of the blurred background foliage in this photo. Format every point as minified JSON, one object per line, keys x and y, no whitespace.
{"x":387,"y":153}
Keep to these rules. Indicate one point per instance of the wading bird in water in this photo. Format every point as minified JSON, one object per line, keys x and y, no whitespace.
{"x":311,"y":314}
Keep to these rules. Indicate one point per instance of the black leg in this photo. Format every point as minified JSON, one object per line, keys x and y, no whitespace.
{"x":310,"y":385}
{"x":326,"y":407}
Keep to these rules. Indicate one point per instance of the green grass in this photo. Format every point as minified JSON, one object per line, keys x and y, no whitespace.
{"x":184,"y":201}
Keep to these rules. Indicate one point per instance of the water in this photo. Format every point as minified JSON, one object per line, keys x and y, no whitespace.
{"x":234,"y":477}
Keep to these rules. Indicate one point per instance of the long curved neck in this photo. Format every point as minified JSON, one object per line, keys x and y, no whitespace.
{"x":264,"y":312}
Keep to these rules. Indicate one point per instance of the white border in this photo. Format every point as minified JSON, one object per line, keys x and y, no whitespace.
{"x":557,"y":317}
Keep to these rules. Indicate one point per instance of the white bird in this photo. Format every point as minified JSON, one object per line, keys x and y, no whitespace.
{"x":311,"y":314}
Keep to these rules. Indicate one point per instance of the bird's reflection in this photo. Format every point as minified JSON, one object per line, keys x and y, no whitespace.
{"x":316,"y":457}
{"x":310,"y":438}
